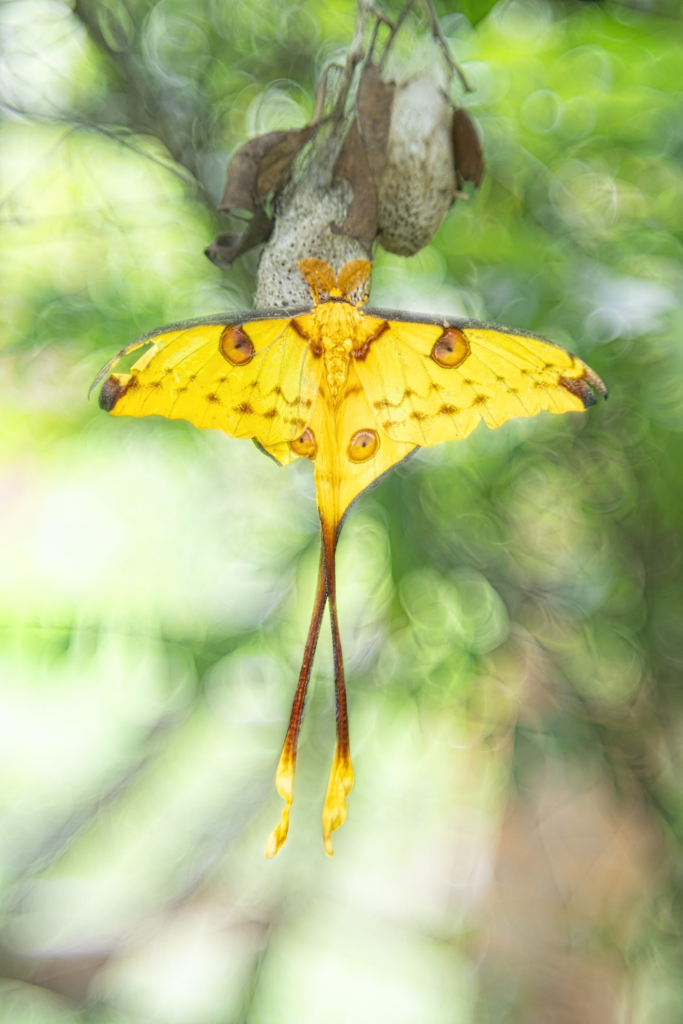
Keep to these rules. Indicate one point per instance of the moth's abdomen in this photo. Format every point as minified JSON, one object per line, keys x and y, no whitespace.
{"x":337,"y":366}
{"x":337,"y":324}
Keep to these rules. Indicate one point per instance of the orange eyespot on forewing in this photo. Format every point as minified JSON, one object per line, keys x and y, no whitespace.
{"x":363,"y":445}
{"x":451,"y":349}
{"x":236,"y":346}
{"x":305,"y":445}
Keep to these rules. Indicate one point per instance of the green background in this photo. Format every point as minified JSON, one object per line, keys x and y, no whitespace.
{"x":511,"y":606}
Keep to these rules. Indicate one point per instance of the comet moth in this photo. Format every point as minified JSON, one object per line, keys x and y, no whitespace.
{"x":355,"y":390}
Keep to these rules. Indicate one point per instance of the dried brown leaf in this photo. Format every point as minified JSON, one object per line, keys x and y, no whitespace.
{"x":373,"y":108}
{"x":467,"y":151}
{"x":353,"y":164}
{"x":261,"y":166}
{"x":226,"y":247}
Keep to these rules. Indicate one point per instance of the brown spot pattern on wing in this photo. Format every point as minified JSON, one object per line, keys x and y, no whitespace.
{"x":362,"y":351}
{"x":299,"y":330}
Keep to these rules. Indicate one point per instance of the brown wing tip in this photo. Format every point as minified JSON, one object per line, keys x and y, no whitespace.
{"x":581,"y":388}
{"x":592,"y":378}
{"x":111,"y":363}
{"x":113,"y":388}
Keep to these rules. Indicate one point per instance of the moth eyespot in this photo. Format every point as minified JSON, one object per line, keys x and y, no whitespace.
{"x":236,"y":346}
{"x":305,"y":445}
{"x":451,"y":349}
{"x":363,"y":445}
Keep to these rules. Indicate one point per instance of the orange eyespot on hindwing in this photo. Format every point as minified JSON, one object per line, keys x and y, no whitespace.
{"x":236,"y":345}
{"x":305,"y":445}
{"x":451,"y":349}
{"x":363,"y":445}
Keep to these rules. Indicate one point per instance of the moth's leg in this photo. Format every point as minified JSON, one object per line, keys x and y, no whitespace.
{"x":284,"y":776}
{"x":341,"y":776}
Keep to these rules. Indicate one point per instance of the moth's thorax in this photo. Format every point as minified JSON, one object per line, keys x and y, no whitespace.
{"x":337,"y":329}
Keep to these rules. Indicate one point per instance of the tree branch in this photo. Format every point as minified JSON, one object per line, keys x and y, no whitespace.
{"x":146,"y":108}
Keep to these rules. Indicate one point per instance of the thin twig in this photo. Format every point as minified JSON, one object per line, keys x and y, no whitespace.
{"x":381,"y":20}
{"x":443,"y":43}
{"x":146,"y":106}
{"x":321,"y":91}
{"x":180,"y":171}
{"x":395,"y":30}
{"x":438,"y":35}
{"x":353,"y":59}
{"x":20,"y":184}
{"x":118,"y":135}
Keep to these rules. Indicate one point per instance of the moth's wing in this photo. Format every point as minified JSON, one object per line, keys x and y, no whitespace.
{"x":341,"y":471}
{"x":185,"y":374}
{"x":503,"y":373}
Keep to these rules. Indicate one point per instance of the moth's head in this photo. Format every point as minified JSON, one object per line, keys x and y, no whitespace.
{"x":349,"y":285}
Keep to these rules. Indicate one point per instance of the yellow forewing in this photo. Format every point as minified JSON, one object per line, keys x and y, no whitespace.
{"x":185,"y":375}
{"x":504,"y":375}
{"x":406,"y":383}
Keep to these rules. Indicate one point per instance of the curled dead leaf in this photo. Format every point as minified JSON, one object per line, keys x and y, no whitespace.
{"x":261,"y":166}
{"x":373,"y":111}
{"x":258,"y":169}
{"x":363,"y":158}
{"x":353,"y":165}
{"x":227,"y":246}
{"x":467,"y":152}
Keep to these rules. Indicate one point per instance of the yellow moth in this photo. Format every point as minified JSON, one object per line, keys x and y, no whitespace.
{"x":354,"y":390}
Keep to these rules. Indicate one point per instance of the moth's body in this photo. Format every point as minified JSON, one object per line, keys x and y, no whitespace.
{"x":355,"y":391}
{"x":338,"y":336}
{"x":335,"y":330}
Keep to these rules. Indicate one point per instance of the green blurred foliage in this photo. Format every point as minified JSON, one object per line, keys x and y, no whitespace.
{"x":511,"y":606}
